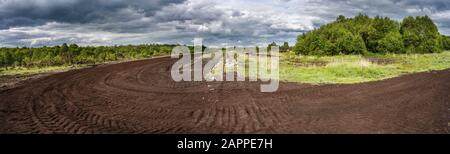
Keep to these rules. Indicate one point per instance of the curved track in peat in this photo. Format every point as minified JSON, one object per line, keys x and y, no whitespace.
{"x":140,"y":97}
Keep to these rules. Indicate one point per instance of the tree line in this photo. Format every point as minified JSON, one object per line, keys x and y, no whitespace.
{"x":74,"y":54}
{"x":282,"y":48}
{"x":364,"y":35}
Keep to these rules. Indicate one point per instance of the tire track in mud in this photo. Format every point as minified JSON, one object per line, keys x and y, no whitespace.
{"x":140,"y":97}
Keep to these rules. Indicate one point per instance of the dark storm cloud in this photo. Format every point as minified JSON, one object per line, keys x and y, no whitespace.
{"x":19,"y":21}
{"x":34,"y":12}
{"x":203,"y":12}
{"x":438,"y":5}
{"x":392,"y":8}
{"x":438,"y":10}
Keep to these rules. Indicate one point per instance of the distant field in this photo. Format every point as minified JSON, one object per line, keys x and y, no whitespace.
{"x":357,"y":68}
{"x":35,"y":70}
{"x":322,"y":69}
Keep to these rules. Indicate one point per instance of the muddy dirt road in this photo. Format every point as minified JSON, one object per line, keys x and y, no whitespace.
{"x":140,"y":97}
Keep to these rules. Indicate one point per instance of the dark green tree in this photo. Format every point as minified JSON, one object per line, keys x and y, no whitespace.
{"x":445,"y":41}
{"x":269,"y":47}
{"x":420,"y":35}
{"x":284,"y":47}
{"x":340,"y":18}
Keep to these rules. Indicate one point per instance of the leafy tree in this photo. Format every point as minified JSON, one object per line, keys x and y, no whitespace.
{"x":445,"y":41}
{"x":392,"y":42}
{"x":381,"y":28}
{"x":285,"y":47}
{"x":420,"y":35}
{"x":3,"y":59}
{"x":6,"y":59}
{"x":340,"y":18}
{"x":349,"y":44}
{"x":269,"y":47}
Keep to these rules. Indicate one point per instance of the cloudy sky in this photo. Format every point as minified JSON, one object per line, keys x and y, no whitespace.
{"x":219,"y":23}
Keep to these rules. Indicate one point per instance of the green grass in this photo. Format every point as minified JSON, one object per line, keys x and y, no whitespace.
{"x":34,"y":70}
{"x":355,"y":68}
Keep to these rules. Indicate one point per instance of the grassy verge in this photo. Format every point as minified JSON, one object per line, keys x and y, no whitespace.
{"x":355,"y":68}
{"x":35,"y":70}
